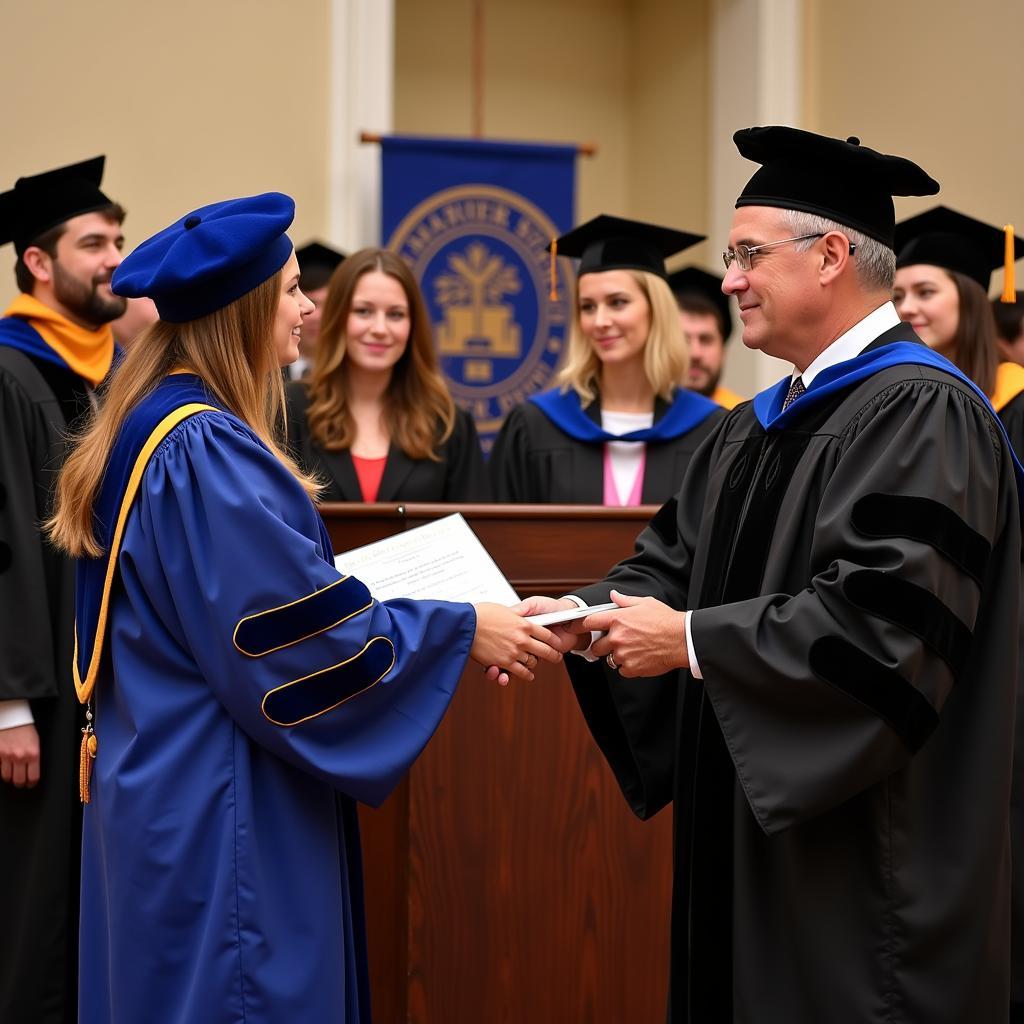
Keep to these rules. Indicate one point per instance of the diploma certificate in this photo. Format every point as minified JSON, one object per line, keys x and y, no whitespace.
{"x":440,"y":561}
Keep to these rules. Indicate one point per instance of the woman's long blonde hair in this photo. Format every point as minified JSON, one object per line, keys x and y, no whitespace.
{"x":666,"y":358}
{"x":419,"y":413}
{"x":232,"y":350}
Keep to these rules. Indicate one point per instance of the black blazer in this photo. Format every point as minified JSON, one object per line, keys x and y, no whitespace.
{"x":459,"y":476}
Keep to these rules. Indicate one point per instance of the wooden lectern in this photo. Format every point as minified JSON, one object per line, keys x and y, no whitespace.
{"x":507,"y":881}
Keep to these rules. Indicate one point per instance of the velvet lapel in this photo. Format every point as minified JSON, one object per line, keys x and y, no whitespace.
{"x":396,"y":471}
{"x":659,"y":461}
{"x":588,"y":464}
{"x":340,"y":469}
{"x":901,"y":332}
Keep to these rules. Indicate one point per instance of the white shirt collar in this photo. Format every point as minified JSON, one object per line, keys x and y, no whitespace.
{"x":853,"y":341}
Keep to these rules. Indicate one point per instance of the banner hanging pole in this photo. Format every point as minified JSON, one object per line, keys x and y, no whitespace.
{"x":477,"y":92}
{"x":582,"y":148}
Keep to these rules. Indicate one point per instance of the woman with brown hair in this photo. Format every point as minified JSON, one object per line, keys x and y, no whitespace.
{"x":375,"y":421}
{"x":944,"y":267}
{"x":242,"y":693}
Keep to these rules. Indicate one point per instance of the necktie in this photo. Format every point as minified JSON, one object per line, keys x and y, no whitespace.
{"x":796,"y":389}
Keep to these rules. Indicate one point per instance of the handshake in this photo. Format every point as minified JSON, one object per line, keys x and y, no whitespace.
{"x":640,"y":637}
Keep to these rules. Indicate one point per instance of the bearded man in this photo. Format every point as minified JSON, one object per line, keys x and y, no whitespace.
{"x":56,"y":345}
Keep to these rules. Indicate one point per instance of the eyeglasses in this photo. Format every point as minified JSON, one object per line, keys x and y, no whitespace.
{"x":743,"y":253}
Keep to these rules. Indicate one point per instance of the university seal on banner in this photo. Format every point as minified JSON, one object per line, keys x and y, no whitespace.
{"x":479,"y":255}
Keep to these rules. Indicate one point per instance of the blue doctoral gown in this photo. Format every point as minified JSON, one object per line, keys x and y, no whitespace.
{"x":245,"y":686}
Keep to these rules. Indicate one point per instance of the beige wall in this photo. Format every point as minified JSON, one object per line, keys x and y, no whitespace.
{"x":197,"y":101}
{"x":192,"y":102}
{"x":628,"y":75}
{"x":925,"y":80}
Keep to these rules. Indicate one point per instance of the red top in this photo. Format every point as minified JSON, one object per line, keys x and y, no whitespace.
{"x":369,"y":472}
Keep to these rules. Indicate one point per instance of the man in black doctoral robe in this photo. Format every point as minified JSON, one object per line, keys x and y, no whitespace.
{"x":838,"y":580}
{"x":56,"y":345}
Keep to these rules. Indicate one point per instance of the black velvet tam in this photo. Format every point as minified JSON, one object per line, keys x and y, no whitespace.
{"x":615,"y":243}
{"x":42,"y":201}
{"x":942,"y":237}
{"x":841,"y":180}
{"x":695,"y":281}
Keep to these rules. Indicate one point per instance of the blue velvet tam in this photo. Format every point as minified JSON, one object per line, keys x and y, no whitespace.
{"x":209,"y":258}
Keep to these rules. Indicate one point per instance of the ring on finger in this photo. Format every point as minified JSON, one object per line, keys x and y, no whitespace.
{"x":612,"y":663}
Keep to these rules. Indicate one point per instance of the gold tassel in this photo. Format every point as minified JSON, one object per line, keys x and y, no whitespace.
{"x":86,"y":756}
{"x":553,"y":294}
{"x":1009,"y":278}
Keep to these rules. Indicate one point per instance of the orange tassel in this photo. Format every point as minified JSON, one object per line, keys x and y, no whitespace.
{"x":553,"y":294}
{"x":1009,"y":277}
{"x":86,"y":756}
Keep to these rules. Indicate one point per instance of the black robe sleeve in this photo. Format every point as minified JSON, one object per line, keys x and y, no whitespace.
{"x":27,"y":665}
{"x":824,"y":692}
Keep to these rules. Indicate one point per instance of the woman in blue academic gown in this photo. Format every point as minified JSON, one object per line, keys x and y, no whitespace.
{"x":242,"y":693}
{"x":620,"y":429}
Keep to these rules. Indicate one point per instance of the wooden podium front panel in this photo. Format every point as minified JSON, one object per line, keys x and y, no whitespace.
{"x":507,"y":880}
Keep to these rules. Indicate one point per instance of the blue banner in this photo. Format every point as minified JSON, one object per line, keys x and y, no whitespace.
{"x":473,"y":219}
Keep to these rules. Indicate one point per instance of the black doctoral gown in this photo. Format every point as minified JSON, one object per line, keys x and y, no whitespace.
{"x":459,"y":476}
{"x":841,"y":776}
{"x":537,"y":462}
{"x":40,"y":828}
{"x":1012,"y":415}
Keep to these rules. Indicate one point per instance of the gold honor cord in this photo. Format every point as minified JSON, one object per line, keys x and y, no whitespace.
{"x":84,"y":688}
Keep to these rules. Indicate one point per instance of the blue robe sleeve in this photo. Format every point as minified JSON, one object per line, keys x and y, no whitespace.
{"x":226,"y":550}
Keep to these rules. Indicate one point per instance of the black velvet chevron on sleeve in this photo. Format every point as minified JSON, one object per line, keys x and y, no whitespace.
{"x":927,"y":521}
{"x":914,"y":609}
{"x":841,"y":664}
{"x":270,"y":630}
{"x":314,"y":695}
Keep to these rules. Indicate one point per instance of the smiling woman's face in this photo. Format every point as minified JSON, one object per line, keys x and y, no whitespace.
{"x":378,"y":325}
{"x":615,"y":316}
{"x":291,"y":309}
{"x":926,"y":298}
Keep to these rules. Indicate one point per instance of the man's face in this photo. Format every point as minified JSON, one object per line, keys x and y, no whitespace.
{"x":707,"y":350}
{"x":778,"y":296}
{"x":87,"y":254}
{"x":311,"y":325}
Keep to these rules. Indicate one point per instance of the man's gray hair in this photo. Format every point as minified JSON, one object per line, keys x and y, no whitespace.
{"x":875,"y":262}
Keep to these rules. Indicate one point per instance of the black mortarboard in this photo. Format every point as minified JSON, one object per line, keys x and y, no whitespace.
{"x":614,"y":243}
{"x":42,"y":201}
{"x":843,"y":181}
{"x":941,"y":237}
{"x":316,"y":254}
{"x":694,"y":281}
{"x":316,"y":263}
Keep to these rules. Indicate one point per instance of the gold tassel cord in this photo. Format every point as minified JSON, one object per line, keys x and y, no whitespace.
{"x":1009,"y":276}
{"x":553,"y":294}
{"x":86,"y":756}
